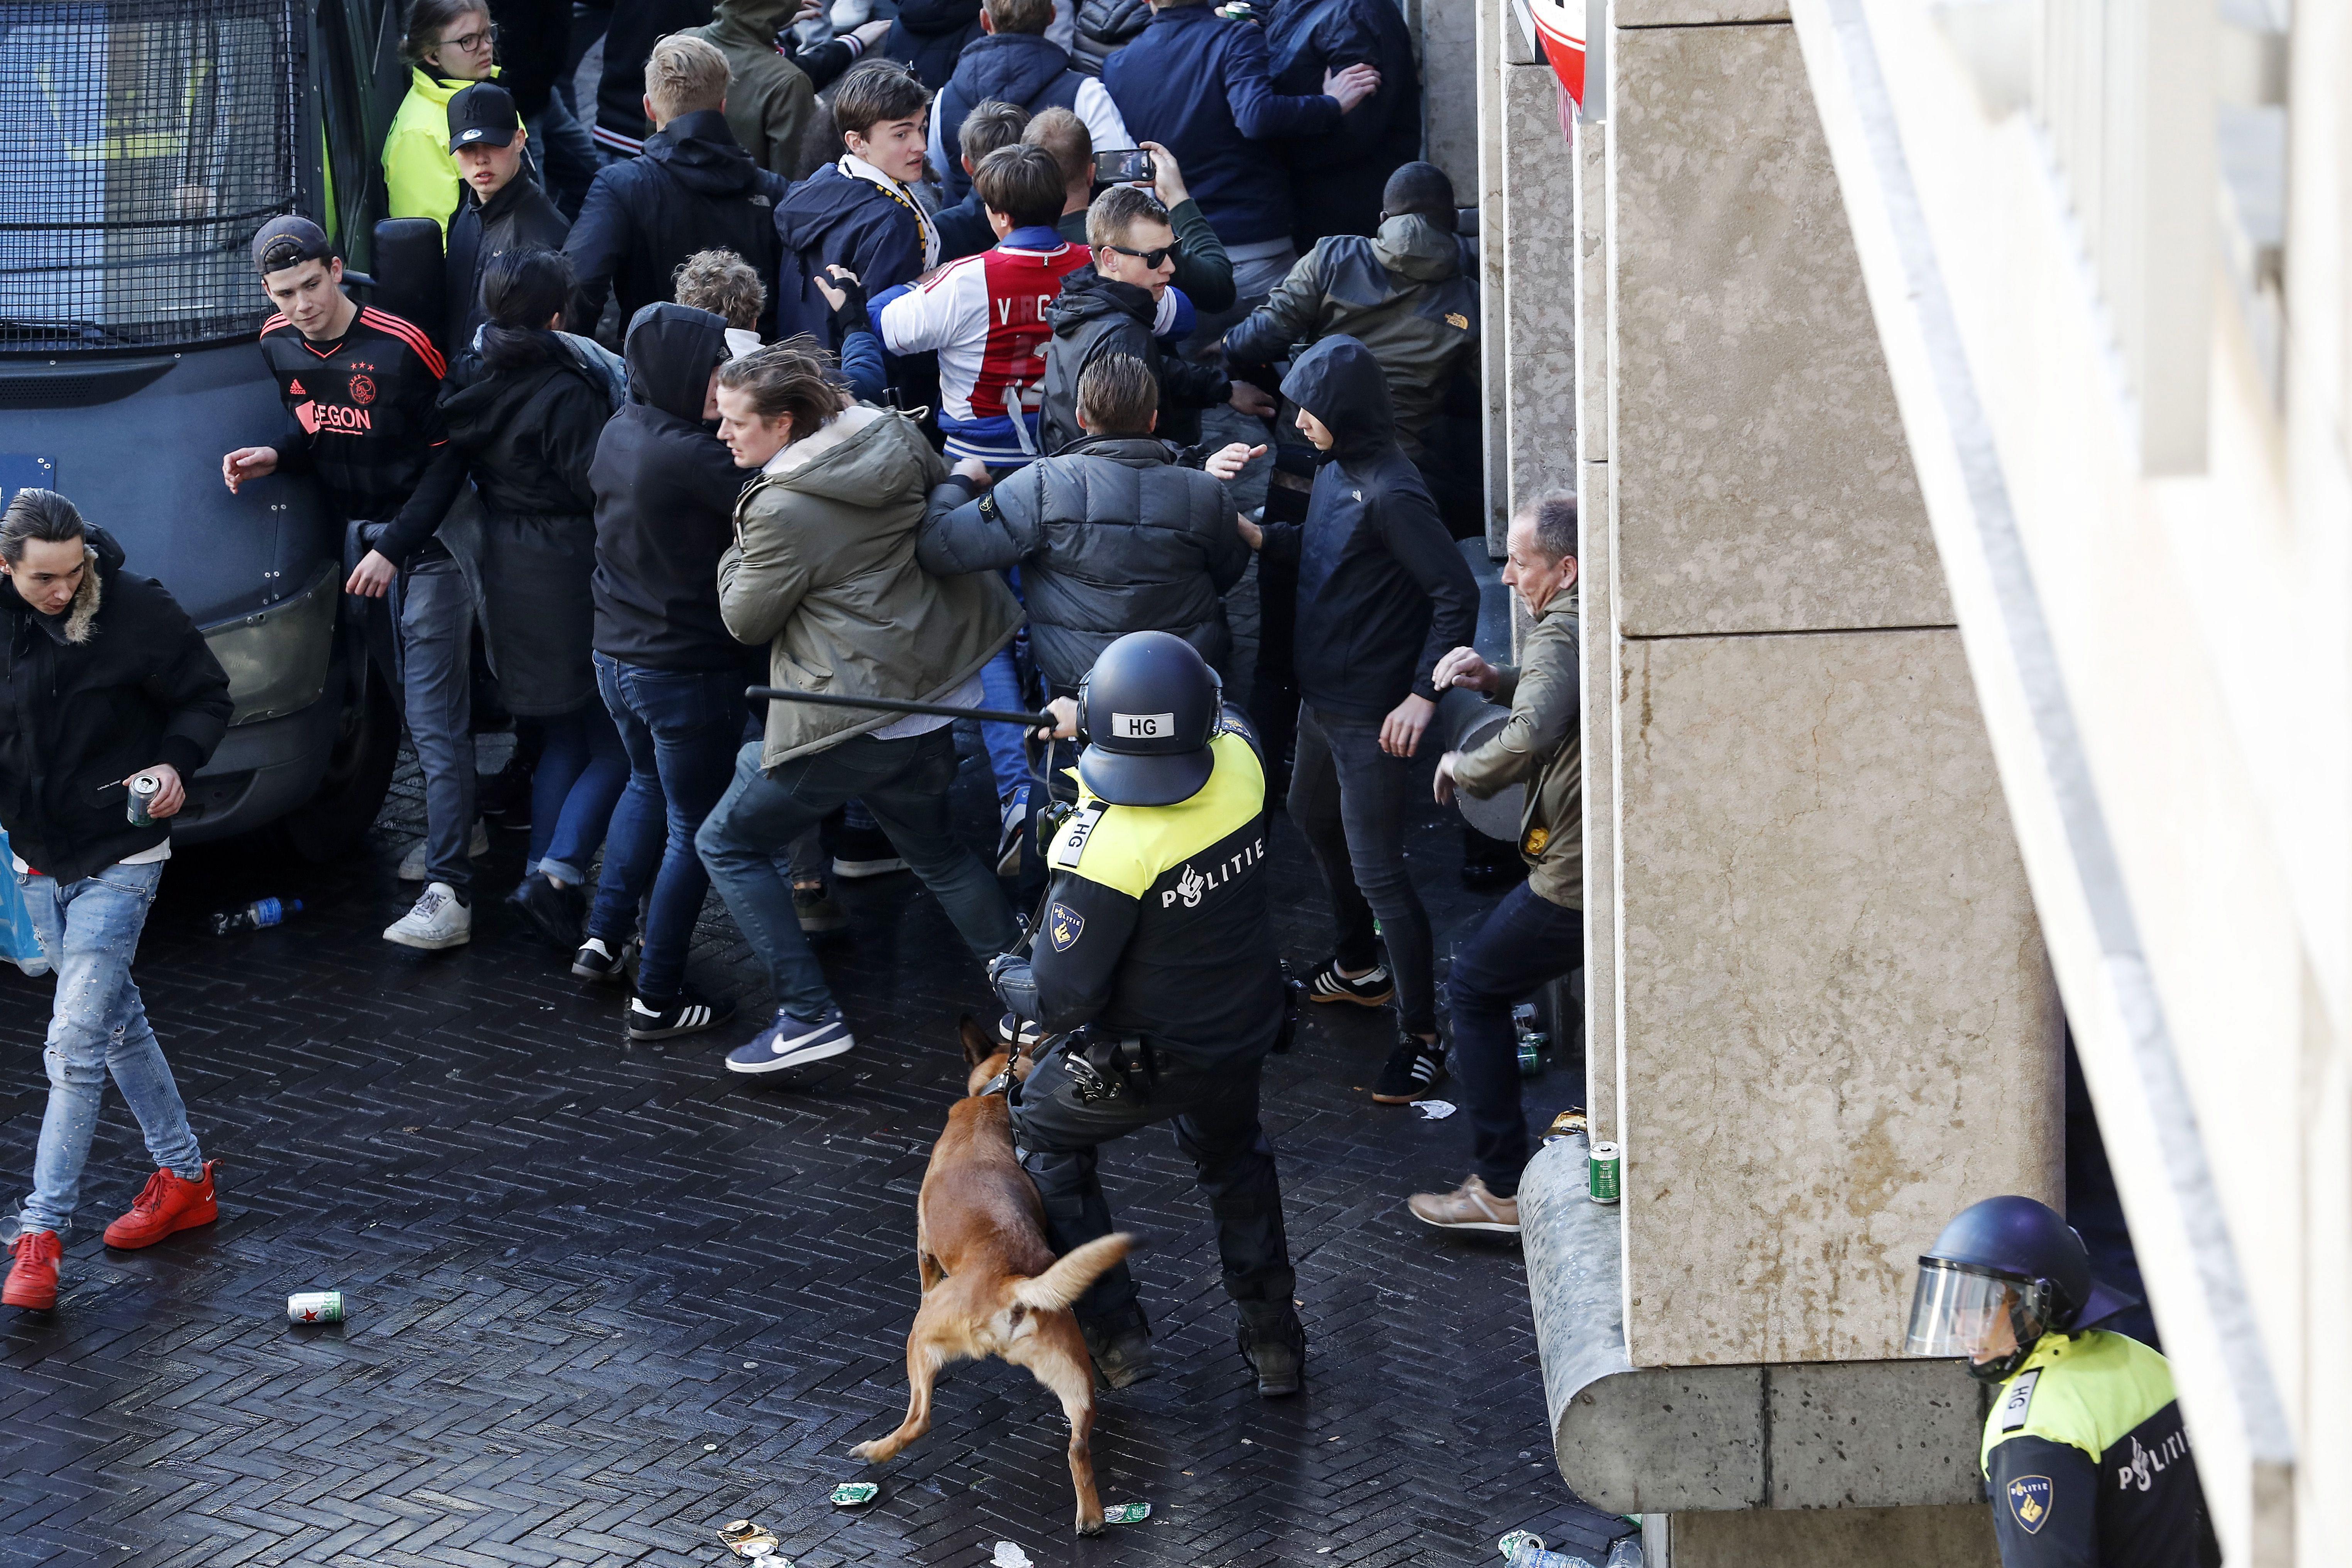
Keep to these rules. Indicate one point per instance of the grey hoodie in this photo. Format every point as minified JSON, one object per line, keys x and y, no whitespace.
{"x":1403,"y":295}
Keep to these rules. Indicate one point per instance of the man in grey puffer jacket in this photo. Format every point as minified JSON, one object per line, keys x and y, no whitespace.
{"x":1111,"y":534}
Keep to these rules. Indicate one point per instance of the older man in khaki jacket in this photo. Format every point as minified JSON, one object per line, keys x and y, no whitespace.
{"x":1536,"y":933}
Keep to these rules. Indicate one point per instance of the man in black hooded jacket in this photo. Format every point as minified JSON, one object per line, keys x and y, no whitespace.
{"x":671,"y":673}
{"x":692,"y":188}
{"x":104,"y":683}
{"x":1383,"y":594}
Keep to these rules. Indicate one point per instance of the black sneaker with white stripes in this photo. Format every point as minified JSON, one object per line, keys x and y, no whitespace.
{"x":686,"y":1015}
{"x":603,"y":960}
{"x":1327,"y":984}
{"x":1412,"y":1070}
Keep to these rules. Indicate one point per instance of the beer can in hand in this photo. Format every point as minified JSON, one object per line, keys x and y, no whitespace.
{"x":315,"y":1307}
{"x":145,"y":788}
{"x":1601,"y":1172}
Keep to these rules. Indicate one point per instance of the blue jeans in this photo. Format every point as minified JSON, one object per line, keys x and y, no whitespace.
{"x":1526,"y":941}
{"x":679,"y":730}
{"x":579,"y":775}
{"x":905,"y":784}
{"x":1347,"y":796}
{"x":1000,"y":679}
{"x":88,"y":930}
{"x":434,"y":611}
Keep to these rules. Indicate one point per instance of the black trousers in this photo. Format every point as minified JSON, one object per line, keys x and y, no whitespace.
{"x":1214,"y":1112}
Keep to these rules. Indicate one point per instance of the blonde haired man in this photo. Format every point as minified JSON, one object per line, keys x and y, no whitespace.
{"x":693,"y":188}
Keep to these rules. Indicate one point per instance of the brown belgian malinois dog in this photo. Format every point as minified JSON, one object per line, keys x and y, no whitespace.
{"x":991,"y":1284}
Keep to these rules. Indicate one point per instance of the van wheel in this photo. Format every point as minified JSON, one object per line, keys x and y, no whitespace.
{"x":351,"y":790}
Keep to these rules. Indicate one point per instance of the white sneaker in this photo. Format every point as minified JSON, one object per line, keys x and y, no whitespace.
{"x":438,"y":921}
{"x":1013,"y":828}
{"x":412,"y":865}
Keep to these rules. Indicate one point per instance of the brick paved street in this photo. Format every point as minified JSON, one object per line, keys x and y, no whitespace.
{"x":604,"y":1299}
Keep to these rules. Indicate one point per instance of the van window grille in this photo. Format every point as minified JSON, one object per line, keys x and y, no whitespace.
{"x":142,"y":143}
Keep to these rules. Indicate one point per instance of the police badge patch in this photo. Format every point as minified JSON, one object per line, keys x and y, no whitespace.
{"x":2029,"y":1500}
{"x":1065,"y":925}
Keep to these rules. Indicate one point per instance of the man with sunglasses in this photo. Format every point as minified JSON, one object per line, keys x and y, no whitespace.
{"x":1119,"y":306}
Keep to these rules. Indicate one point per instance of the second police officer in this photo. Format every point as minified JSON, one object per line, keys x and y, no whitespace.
{"x":2084,"y":1451}
{"x":1155,"y":952}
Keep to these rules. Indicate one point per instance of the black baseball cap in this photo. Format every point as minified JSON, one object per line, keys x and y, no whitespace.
{"x":482,"y":115}
{"x":290,"y":241}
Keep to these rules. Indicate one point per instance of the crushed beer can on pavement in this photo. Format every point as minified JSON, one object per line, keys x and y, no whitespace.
{"x":747,"y":1539}
{"x":1127,"y":1513}
{"x":854,"y":1494}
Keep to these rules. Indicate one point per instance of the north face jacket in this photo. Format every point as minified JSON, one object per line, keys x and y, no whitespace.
{"x":1111,"y":537}
{"x":1382,"y":591}
{"x":120,"y":682}
{"x":822,"y":571}
{"x":665,"y":490}
{"x":693,"y":188}
{"x":1403,"y":295}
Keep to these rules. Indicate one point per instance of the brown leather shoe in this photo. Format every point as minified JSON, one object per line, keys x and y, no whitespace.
{"x":165,"y":1204}
{"x":1469,"y":1206}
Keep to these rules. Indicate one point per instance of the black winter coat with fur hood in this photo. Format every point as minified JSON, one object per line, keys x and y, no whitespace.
{"x":122,"y":680}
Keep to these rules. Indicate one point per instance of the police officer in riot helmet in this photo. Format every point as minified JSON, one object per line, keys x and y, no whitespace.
{"x":1154,"y":962}
{"x":2084,"y":1452}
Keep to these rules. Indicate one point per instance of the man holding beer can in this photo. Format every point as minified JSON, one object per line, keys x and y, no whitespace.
{"x":109,"y":701}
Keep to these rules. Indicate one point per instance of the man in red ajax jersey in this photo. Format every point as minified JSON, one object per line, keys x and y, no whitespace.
{"x":362,"y":387}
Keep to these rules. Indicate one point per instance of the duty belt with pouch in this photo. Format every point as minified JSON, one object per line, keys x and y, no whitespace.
{"x":1103,"y":1065}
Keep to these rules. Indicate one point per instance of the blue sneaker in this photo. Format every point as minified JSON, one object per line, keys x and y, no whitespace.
{"x":792,"y":1042}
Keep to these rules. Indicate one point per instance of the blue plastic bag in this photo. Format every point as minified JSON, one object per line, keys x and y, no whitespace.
{"x":18,"y":942}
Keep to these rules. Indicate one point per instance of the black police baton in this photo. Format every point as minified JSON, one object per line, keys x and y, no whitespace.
{"x":899,"y":705}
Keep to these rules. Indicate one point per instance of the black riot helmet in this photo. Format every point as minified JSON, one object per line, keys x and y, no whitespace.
{"x":1149,"y":709}
{"x":2003,"y":1273}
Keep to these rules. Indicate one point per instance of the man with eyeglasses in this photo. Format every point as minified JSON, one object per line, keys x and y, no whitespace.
{"x":1117,"y":306}
{"x":362,"y":387}
{"x":450,"y":44}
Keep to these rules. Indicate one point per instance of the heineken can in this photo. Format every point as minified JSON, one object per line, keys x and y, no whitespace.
{"x":145,"y":788}
{"x":315,"y":1307}
{"x":1531,"y":1050}
{"x":1601,"y":1172}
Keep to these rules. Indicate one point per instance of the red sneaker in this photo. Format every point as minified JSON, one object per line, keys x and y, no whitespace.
{"x":165,"y":1204}
{"x":34,"y":1281}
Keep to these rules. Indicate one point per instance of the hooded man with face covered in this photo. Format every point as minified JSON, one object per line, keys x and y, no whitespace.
{"x":665,"y":665}
{"x":1382,"y":595}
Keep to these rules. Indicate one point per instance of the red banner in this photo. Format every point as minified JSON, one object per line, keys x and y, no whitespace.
{"x":1562,"y":29}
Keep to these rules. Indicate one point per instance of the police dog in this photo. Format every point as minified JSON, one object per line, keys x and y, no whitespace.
{"x":991,"y":1284}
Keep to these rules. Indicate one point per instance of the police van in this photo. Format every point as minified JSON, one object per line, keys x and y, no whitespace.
{"x":142,"y":143}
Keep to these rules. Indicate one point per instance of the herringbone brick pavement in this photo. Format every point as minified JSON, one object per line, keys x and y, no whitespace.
{"x":605,"y":1299}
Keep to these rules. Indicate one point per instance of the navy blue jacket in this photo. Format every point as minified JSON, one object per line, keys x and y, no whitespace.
{"x":693,"y":188}
{"x":832,"y":218}
{"x":1199,"y":85}
{"x":1009,"y":67}
{"x":964,"y":229}
{"x":930,"y":34}
{"x":1336,"y":178}
{"x":1382,"y":591}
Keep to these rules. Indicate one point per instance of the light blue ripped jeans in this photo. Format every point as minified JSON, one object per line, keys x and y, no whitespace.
{"x":88,"y":930}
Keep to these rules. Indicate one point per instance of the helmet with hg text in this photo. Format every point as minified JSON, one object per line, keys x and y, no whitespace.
{"x":1148,"y":709}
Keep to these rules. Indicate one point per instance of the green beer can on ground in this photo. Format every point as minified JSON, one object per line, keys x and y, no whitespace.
{"x":315,"y":1307}
{"x":1602,"y":1168}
